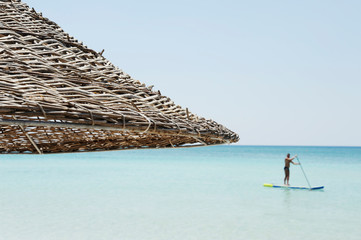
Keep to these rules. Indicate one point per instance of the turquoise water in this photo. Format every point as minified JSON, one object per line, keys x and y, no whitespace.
{"x":198,"y":193}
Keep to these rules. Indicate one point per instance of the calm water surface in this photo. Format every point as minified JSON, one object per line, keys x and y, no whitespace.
{"x":199,"y":193}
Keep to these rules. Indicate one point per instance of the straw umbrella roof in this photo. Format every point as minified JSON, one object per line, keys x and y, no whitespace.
{"x":57,"y":95}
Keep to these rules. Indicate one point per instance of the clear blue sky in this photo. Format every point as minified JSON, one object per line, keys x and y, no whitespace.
{"x":275,"y":72}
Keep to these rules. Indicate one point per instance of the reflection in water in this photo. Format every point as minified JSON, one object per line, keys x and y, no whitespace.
{"x":287,"y":198}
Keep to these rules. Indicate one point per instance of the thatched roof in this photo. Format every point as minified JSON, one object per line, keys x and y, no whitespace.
{"x":57,"y":95}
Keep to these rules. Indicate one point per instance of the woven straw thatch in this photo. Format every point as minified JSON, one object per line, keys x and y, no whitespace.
{"x":56,"y":95}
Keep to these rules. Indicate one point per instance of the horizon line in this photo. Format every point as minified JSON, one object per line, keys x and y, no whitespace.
{"x":265,"y":145}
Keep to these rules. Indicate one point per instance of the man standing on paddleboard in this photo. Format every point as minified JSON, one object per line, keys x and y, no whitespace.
{"x":288,"y":160}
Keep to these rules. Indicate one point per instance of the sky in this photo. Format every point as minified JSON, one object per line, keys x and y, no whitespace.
{"x":275,"y":72}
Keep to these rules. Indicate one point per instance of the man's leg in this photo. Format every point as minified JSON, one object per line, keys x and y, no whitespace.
{"x":284,"y":180}
{"x":288,"y":176}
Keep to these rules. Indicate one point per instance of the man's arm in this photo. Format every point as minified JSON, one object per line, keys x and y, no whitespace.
{"x":290,"y":159}
{"x":295,"y":163}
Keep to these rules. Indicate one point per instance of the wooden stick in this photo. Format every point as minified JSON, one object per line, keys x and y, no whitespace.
{"x":31,"y":140}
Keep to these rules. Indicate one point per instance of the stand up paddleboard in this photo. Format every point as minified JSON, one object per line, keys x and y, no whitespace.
{"x":291,"y":187}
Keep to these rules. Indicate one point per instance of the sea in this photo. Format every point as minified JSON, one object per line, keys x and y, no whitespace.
{"x":202,"y":193}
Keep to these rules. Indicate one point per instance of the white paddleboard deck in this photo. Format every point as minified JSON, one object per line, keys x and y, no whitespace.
{"x":292,"y":187}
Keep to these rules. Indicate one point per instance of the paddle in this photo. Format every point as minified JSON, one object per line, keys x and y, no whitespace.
{"x":304,"y":172}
